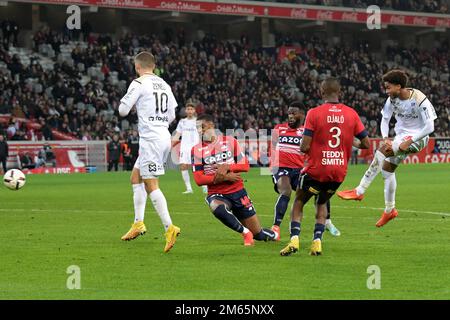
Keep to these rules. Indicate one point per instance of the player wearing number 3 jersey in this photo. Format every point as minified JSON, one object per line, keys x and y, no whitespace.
{"x":155,"y":106}
{"x":327,"y":140}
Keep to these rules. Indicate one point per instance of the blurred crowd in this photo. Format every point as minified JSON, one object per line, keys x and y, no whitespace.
{"x":432,"y":6}
{"x":243,"y":86}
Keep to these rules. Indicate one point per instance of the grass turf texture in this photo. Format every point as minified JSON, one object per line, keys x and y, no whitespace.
{"x":60,"y":220}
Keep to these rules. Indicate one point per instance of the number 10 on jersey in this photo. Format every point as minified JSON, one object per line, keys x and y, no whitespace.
{"x":161,"y":101}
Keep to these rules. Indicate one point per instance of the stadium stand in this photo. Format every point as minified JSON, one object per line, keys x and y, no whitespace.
{"x":71,"y":89}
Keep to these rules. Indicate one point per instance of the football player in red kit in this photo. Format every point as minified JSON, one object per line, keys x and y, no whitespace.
{"x":217,"y":162}
{"x":327,"y":140}
{"x":287,"y":161}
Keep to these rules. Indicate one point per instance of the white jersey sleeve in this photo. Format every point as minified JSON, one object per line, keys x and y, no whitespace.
{"x":427,"y":111}
{"x":428,"y":115}
{"x":179,"y":128}
{"x":387,"y":110}
{"x":133,"y":94}
{"x":387,"y":115}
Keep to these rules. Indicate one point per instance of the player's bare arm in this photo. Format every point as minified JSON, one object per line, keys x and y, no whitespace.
{"x":176,"y":139}
{"x":361,"y":144}
{"x":305,"y":144}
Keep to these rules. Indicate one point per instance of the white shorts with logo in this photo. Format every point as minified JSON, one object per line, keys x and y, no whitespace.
{"x":152,"y":156}
{"x":415,"y":147}
{"x":185,"y":154}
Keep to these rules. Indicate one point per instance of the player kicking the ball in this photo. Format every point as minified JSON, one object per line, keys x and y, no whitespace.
{"x":327,"y":140}
{"x":217,"y":162}
{"x":287,"y":162}
{"x":415,"y":117}
{"x":155,"y":105}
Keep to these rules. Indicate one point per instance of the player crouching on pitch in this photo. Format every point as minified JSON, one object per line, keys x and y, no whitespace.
{"x":217,"y":162}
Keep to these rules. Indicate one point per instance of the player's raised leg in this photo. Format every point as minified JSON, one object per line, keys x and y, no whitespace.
{"x":139,"y":200}
{"x":374,"y":169}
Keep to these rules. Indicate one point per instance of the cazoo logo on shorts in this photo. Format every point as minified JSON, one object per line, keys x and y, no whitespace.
{"x":218,"y":158}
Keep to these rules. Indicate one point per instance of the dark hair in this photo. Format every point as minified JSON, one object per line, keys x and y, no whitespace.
{"x":398,"y":77}
{"x":297,"y":104}
{"x":205,"y":117}
{"x":330,"y":86}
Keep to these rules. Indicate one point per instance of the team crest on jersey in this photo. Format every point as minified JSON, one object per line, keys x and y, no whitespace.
{"x":334,"y":109}
{"x":299,"y":132}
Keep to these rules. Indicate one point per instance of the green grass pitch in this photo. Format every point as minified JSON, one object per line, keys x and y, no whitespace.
{"x":57,"y":221}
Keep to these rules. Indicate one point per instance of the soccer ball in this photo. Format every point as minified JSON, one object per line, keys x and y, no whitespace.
{"x":14,"y":179}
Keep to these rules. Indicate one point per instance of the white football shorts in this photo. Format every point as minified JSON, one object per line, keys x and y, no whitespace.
{"x":152,"y":156}
{"x":185,"y":154}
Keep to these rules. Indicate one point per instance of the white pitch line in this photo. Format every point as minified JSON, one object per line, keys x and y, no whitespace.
{"x":178,"y":212}
{"x":401,"y":210}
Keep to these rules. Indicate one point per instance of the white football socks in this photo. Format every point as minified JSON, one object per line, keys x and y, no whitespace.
{"x":186,"y":179}
{"x":139,"y":200}
{"x":371,"y":173}
{"x":390,"y":185}
{"x":160,"y":205}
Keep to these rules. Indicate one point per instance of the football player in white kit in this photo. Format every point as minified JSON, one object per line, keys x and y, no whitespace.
{"x":155,"y":105}
{"x":415,"y":117}
{"x":187,"y":130}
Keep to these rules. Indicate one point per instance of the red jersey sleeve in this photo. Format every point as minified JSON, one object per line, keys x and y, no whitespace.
{"x":241,"y":162}
{"x":197,"y":168}
{"x":360,"y":131}
{"x":310,"y":123}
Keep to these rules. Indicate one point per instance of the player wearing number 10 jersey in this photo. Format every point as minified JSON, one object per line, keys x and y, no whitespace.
{"x":327,"y":140}
{"x":155,"y":105}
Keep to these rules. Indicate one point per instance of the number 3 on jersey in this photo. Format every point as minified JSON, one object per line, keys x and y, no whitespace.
{"x":336,"y":136}
{"x":161,"y":101}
